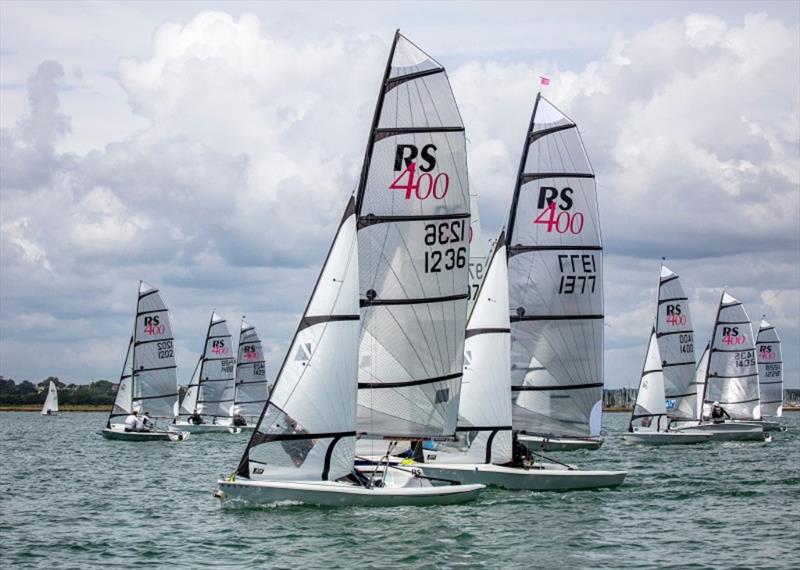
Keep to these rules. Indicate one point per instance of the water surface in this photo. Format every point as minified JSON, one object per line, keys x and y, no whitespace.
{"x":70,"y":499}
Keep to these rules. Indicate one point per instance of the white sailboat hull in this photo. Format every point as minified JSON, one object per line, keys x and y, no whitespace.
{"x":122,"y":435}
{"x":538,"y":478}
{"x":208,"y":428}
{"x":537,"y":443}
{"x":666,"y":437}
{"x":727,"y":431}
{"x":772,"y":426}
{"x":335,"y":494}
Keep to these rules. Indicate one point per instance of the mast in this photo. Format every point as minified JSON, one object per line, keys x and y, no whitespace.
{"x":413,"y":221}
{"x":555,"y":278}
{"x":306,"y":430}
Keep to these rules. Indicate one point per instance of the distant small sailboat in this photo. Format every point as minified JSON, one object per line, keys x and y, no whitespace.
{"x":149,"y":382}
{"x":555,"y":275}
{"x":770,"y":376}
{"x":51,"y":401}
{"x":207,"y":406}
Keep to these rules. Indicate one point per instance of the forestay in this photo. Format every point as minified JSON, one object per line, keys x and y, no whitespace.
{"x":770,"y":370}
{"x":217,"y":371}
{"x":251,"y":380}
{"x":155,"y":380}
{"x":732,"y":377}
{"x":650,"y":411}
{"x":306,"y":432}
{"x":555,"y":273}
{"x":676,"y":345}
{"x":484,"y":423}
{"x":413,"y":233}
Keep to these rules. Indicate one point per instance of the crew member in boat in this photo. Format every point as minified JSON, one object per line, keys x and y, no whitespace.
{"x":718,"y":413}
{"x":196,"y":419}
{"x":239,"y":421}
{"x":145,"y":424}
{"x":519,"y":453}
{"x":132,"y":421}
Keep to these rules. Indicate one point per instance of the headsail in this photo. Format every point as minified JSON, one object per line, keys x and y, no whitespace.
{"x":732,"y":377}
{"x":155,"y":380}
{"x":484,"y":421}
{"x":477,"y":252}
{"x":51,"y":401}
{"x":123,"y":401}
{"x":217,"y":370}
{"x":676,"y":345}
{"x":307,"y":429}
{"x":700,"y":372}
{"x":413,"y":233}
{"x":650,"y":411}
{"x":251,"y":379}
{"x":770,"y":370}
{"x":555,"y":273}
{"x":189,"y":402}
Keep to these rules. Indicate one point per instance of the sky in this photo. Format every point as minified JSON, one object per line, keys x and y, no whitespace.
{"x":209,"y":148}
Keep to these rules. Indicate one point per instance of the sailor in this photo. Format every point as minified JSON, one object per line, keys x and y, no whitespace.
{"x":132,"y":421}
{"x":146,"y":424}
{"x":49,"y":411}
{"x":196,"y":419}
{"x":238,"y":420}
{"x":519,"y":453}
{"x":718,"y":413}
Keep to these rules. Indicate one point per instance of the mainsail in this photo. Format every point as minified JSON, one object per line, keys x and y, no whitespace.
{"x":484,"y":422}
{"x":555,"y":266}
{"x":251,"y":380}
{"x":51,"y":401}
{"x":770,"y":370}
{"x":215,"y":392}
{"x":732,"y":376}
{"x":477,"y":252}
{"x":413,"y":233}
{"x":650,"y":410}
{"x":676,"y":345}
{"x":307,"y":428}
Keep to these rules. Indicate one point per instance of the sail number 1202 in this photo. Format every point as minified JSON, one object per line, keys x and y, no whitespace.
{"x":445,"y":233}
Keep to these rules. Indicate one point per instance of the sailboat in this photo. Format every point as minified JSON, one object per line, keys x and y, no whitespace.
{"x":484,"y":451}
{"x":252,"y":387}
{"x":555,"y":277}
{"x":770,"y":376}
{"x":729,"y":375}
{"x":348,"y":368}
{"x":207,"y":406}
{"x":50,"y":406}
{"x":149,"y":382}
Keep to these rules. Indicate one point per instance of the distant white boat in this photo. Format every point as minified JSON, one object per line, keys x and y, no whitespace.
{"x":51,"y":402}
{"x":148,"y":383}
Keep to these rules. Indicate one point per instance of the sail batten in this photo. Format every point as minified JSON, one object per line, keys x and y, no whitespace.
{"x":555,"y":274}
{"x":413,"y":231}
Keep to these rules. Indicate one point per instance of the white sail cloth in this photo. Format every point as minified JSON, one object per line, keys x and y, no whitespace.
{"x":770,"y":370}
{"x":51,"y":401}
{"x":650,"y":411}
{"x":215,"y":395}
{"x":307,"y":429}
{"x":252,"y":387}
{"x":732,"y":377}
{"x":477,"y":252}
{"x":676,"y":346}
{"x":555,"y":273}
{"x":413,"y":233}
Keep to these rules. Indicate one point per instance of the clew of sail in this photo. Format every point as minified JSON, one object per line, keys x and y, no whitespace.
{"x":251,"y":380}
{"x":676,"y":345}
{"x":770,"y":370}
{"x":413,"y":233}
{"x":555,"y":267}
{"x":732,"y":375}
{"x":215,"y":394}
{"x":306,"y":431}
{"x":484,"y":422}
{"x":650,"y":410}
{"x":154,"y":380}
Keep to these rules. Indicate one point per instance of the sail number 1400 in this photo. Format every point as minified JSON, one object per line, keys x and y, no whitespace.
{"x":445,"y":233}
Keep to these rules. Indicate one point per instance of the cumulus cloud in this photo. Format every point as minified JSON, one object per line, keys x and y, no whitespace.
{"x":252,"y":141}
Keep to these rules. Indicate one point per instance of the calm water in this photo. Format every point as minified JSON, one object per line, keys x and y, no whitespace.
{"x":69,"y":498}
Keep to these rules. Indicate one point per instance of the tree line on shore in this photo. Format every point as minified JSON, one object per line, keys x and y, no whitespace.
{"x":99,"y":392}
